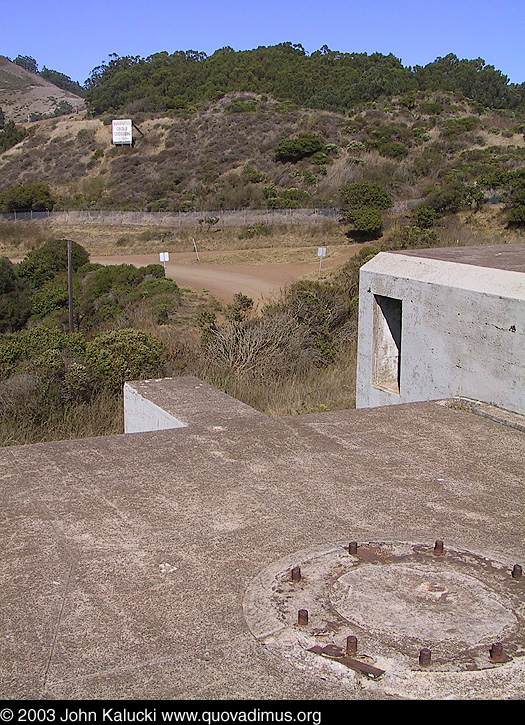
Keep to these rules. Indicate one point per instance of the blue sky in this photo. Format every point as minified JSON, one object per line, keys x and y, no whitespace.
{"x":73,"y":37}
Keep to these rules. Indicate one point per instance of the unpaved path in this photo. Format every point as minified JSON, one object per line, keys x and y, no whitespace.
{"x":261,"y":282}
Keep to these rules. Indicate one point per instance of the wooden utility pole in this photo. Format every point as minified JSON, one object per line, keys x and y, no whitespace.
{"x":70,"y":286}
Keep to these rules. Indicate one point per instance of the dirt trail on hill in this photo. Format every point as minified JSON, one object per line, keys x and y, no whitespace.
{"x":261,"y":282}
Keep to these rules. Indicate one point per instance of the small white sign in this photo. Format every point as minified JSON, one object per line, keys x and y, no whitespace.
{"x":164,"y":256}
{"x":321,"y":251}
{"x":122,"y":131}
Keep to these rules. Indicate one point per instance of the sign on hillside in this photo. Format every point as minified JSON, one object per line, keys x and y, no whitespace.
{"x":122,"y":132}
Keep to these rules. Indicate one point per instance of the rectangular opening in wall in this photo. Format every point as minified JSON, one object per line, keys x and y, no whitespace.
{"x":386,"y":364}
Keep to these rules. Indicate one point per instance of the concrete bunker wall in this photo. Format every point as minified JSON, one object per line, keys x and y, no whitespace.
{"x":142,"y":415}
{"x":432,"y":329}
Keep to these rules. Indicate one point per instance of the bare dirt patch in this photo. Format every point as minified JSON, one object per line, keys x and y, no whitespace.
{"x":218,"y":274}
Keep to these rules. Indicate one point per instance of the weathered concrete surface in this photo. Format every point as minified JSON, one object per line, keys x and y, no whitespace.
{"x":510,"y":257}
{"x":461,"y":329}
{"x":126,"y":559}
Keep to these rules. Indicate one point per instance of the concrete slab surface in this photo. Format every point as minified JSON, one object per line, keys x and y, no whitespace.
{"x":510,"y":257}
{"x":127,"y":559}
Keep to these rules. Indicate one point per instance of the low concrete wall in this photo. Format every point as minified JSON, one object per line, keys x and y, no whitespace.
{"x":461,"y":332}
{"x":180,"y":402}
{"x":143,"y":416}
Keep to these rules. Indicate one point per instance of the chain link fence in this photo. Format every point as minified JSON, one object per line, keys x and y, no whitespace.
{"x":190,"y":219}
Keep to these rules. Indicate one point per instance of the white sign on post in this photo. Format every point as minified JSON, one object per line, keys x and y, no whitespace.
{"x":164,"y":257}
{"x":122,"y":132}
{"x":321,"y":252}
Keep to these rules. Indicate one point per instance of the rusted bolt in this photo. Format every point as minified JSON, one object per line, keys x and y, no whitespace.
{"x":296,"y":574}
{"x":302,"y":617}
{"x":496,"y":652}
{"x":438,"y":547}
{"x":352,"y":548}
{"x":425,"y":656}
{"x":516,"y":571}
{"x":351,"y":645}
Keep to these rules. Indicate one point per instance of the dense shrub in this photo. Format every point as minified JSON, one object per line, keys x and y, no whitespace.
{"x":367,"y":223}
{"x":106,"y":293}
{"x":391,"y":140}
{"x":11,"y":135}
{"x":121,"y":355}
{"x":156,"y":286}
{"x":41,"y":265}
{"x":365,"y":194}
{"x":121,"y":277}
{"x":516,"y":216}
{"x":413,"y":237}
{"x":295,"y":149}
{"x":19,"y":348}
{"x":424,"y":216}
{"x":455,"y":127}
{"x":256,"y":230}
{"x":51,"y":297}
{"x":15,"y":298}
{"x":347,"y":277}
{"x":27,"y":197}
{"x":322,"y":309}
{"x":450,"y":196}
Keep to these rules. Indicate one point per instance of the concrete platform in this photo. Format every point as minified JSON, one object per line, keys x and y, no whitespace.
{"x":129,"y":561}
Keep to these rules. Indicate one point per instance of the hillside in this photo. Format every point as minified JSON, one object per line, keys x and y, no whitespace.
{"x":434,"y":147}
{"x":275,"y":128}
{"x":24,"y":94}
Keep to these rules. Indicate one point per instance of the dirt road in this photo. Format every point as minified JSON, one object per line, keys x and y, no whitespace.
{"x":261,"y":282}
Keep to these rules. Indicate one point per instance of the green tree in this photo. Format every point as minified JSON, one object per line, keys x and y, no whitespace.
{"x":10,"y":135}
{"x":41,"y":265}
{"x":362,"y":204}
{"x":326,"y":79}
{"x":27,"y":63}
{"x":61,"y":81}
{"x":367,"y":222}
{"x":27,"y":197}
{"x":15,"y":298}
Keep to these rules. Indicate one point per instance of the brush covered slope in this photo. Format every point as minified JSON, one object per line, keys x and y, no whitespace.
{"x":248,"y":151}
{"x":275,"y":127}
{"x":29,"y":96}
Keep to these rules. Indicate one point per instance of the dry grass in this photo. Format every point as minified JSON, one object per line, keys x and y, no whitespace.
{"x":103,"y":415}
{"x":318,"y":390}
{"x":17,"y":238}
